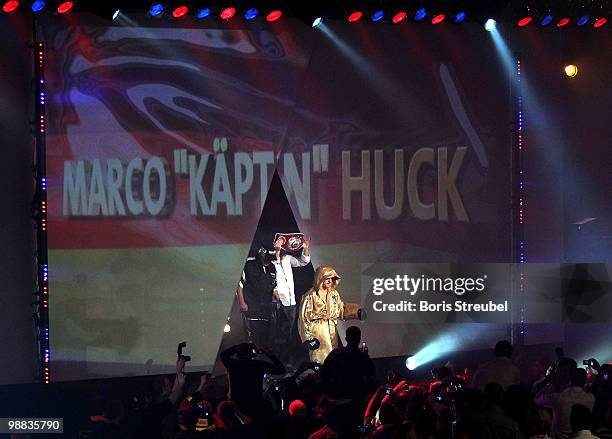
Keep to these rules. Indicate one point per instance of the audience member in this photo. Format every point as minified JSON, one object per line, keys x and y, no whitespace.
{"x":580,"y":420}
{"x":539,"y":423}
{"x":299,"y":425}
{"x":493,"y":423}
{"x":231,"y":421}
{"x":562,"y":402}
{"x":301,"y":407}
{"x":246,"y":376}
{"x":500,"y":370}
{"x":605,"y":432}
{"x":348,"y":372}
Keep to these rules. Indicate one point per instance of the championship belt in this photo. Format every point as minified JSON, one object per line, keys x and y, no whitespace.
{"x":292,"y":241}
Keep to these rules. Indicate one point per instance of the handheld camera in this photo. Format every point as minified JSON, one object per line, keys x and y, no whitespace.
{"x":592,"y":363}
{"x":179,"y":352}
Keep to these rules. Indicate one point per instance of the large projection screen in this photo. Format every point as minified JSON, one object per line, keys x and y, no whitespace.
{"x":162,"y":142}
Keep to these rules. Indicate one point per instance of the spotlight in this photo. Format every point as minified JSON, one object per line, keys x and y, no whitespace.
{"x":156,"y":9}
{"x":274,"y":15}
{"x":65,"y":7}
{"x":490,"y":25}
{"x":227,"y":13}
{"x":203,"y":13}
{"x":437,"y":19}
{"x":316,"y":22}
{"x":524,"y":15}
{"x":546,"y":20}
{"x":600,"y":22}
{"x":116,"y":14}
{"x":251,"y":13}
{"x":563,"y":22}
{"x":355,"y":16}
{"x":378,"y":15}
{"x":399,"y":17}
{"x":571,"y":70}
{"x":583,"y":20}
{"x":420,"y":14}
{"x":180,"y":11}
{"x":411,"y":363}
{"x":583,"y":14}
{"x":600,"y":16}
{"x":10,"y":6}
{"x":38,"y":5}
{"x":459,"y":17}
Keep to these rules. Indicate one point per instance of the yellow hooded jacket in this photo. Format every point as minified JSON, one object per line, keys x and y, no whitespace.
{"x":320,"y":311}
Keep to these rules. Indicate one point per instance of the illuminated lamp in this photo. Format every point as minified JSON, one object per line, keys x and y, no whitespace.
{"x":251,"y":13}
{"x":38,"y":5}
{"x":420,"y":14}
{"x":180,"y":11}
{"x":203,"y":13}
{"x":10,"y":6}
{"x":378,"y":15}
{"x":274,"y":15}
{"x":563,"y":22}
{"x":65,"y":7}
{"x":600,"y":22}
{"x":227,"y":13}
{"x":437,"y":19}
{"x":546,"y":20}
{"x":571,"y":70}
{"x":459,"y":17}
{"x":583,"y":20}
{"x":355,"y":16}
{"x":399,"y":17}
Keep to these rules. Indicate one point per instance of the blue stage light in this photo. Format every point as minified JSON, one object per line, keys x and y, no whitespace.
{"x":546,"y":20}
{"x":490,"y":25}
{"x":378,"y":15}
{"x":156,"y":9}
{"x":203,"y":13}
{"x":420,"y":14}
{"x":251,"y":14}
{"x":583,"y":20}
{"x":411,"y":363}
{"x":459,"y":17}
{"x":38,"y":5}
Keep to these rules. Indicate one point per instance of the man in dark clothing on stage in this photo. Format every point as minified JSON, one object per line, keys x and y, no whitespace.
{"x":256,"y":291}
{"x":348,"y":372}
{"x":246,"y":374}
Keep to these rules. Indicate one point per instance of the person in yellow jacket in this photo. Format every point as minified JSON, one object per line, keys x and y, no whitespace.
{"x":320,"y":309}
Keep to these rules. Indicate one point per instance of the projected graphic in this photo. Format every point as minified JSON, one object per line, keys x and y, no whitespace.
{"x":162,"y":144}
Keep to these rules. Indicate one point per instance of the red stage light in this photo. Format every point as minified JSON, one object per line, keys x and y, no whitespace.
{"x":274,"y":15}
{"x":355,"y":16}
{"x":438,"y":19}
{"x":524,"y":21}
{"x":399,"y":17}
{"x":227,"y":13}
{"x":600,"y":22}
{"x":65,"y":7}
{"x":180,"y":11}
{"x":10,"y":6}
{"x":563,"y":22}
